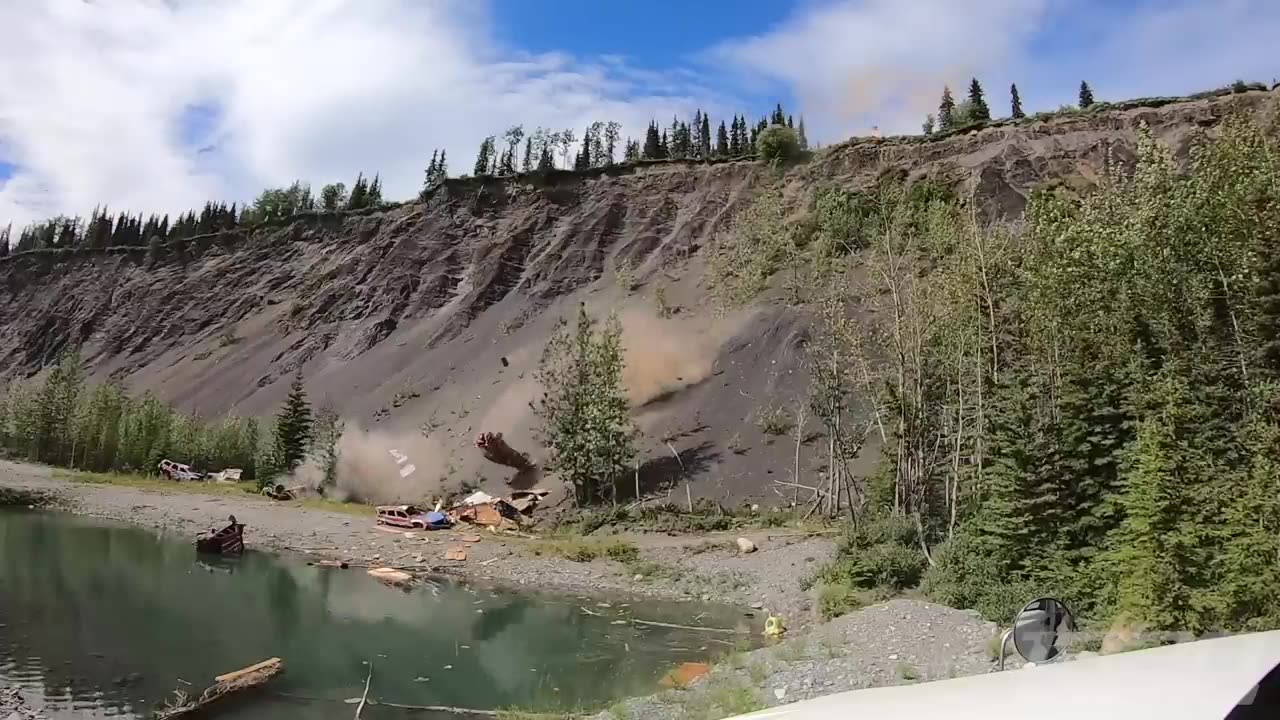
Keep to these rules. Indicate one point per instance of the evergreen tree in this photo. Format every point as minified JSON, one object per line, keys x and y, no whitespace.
{"x":293,"y":426}
{"x":514,"y":134}
{"x":945,"y":109}
{"x":978,"y":110}
{"x":664,"y":146}
{"x":652,"y":142}
{"x":722,"y":141}
{"x":372,"y":199}
{"x":359,"y":193}
{"x":779,"y":117}
{"x":695,"y":136}
{"x":800,"y":135}
{"x":483,"y":157}
{"x":526,"y":165}
{"x":1017,"y":102}
{"x":704,"y":137}
{"x":1086,"y":95}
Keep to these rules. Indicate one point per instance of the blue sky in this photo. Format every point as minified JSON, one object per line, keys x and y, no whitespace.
{"x":148,"y":105}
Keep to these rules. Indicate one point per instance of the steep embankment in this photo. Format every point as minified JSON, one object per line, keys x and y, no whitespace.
{"x":423,"y":323}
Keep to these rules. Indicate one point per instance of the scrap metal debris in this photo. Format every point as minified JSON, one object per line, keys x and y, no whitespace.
{"x":497,"y":450}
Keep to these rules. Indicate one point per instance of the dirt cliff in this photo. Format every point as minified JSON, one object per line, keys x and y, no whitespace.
{"x":423,"y":323}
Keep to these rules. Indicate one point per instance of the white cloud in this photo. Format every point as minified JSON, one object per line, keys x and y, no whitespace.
{"x":857,"y":63}
{"x":860,"y":63}
{"x":95,"y":98}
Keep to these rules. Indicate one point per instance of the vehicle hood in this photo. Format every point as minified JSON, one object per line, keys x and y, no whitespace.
{"x":1200,"y":680}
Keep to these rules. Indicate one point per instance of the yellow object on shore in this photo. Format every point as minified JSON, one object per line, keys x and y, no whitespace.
{"x":773,"y":626}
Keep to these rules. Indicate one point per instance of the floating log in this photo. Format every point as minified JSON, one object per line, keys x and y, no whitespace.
{"x":223,"y":685}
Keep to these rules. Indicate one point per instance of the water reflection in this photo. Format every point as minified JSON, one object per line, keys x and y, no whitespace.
{"x":112,"y":618}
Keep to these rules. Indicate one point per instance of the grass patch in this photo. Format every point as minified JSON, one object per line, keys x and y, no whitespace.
{"x":907,"y":672}
{"x":706,"y":516}
{"x":651,"y":569}
{"x":329,"y":505}
{"x":156,"y":482}
{"x":720,"y":699}
{"x":579,"y":549}
{"x":758,"y":672}
{"x":774,"y":421}
{"x":707,"y":546}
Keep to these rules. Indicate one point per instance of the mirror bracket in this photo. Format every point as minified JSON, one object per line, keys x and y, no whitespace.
{"x":1004,"y":647}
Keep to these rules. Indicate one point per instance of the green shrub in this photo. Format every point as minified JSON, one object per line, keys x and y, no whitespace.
{"x":835,"y":600}
{"x":777,"y":143}
{"x":879,"y":552}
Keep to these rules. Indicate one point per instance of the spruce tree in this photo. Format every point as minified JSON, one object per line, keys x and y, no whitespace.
{"x":779,"y":117}
{"x":526,"y":165}
{"x":705,"y":135}
{"x":293,"y":426}
{"x":652,"y":143}
{"x":359,"y":193}
{"x":978,"y":110}
{"x":800,"y":135}
{"x":1086,"y":95}
{"x":374,"y":197}
{"x":722,"y":141}
{"x":1017,"y":102}
{"x":945,"y":109}
{"x":695,"y":135}
{"x":482,"y":157}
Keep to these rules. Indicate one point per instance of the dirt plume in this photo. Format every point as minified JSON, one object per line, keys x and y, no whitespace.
{"x":664,"y":356}
{"x":390,"y":467}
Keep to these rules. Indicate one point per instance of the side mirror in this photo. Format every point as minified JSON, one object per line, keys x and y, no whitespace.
{"x":1040,"y":631}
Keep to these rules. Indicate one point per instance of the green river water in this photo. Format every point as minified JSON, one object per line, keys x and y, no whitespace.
{"x":101,"y":619}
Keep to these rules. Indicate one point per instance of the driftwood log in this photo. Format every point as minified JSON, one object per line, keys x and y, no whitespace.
{"x":223,"y":685}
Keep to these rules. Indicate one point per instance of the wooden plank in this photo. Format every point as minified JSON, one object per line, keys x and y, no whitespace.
{"x":245,"y":671}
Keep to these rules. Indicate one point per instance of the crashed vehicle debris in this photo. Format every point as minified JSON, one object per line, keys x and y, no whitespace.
{"x":497,"y":450}
{"x":410,"y":517}
{"x":178,"y":471}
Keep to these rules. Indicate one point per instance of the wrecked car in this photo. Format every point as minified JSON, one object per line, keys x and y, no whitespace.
{"x":409,"y":516}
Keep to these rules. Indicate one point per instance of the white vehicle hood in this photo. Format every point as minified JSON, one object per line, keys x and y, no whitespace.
{"x":1200,"y":680}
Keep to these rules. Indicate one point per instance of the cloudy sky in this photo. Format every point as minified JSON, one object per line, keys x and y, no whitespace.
{"x":160,"y":105}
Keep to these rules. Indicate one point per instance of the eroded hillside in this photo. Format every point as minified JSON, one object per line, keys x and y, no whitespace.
{"x":423,"y":323}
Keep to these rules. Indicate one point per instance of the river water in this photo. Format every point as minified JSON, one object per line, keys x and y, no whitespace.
{"x":100,"y":619}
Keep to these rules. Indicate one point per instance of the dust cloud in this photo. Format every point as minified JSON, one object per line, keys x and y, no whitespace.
{"x":896,"y":97}
{"x":662,"y":356}
{"x":368,"y":471}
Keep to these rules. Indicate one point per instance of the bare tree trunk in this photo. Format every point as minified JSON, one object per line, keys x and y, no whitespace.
{"x":801,"y":417}
{"x":924,"y":547}
{"x":1235,"y":323}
